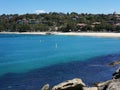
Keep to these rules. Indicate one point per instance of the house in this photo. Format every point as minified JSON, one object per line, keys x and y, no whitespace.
{"x":33,"y":21}
{"x":117,"y":24}
{"x":115,"y":15}
{"x":22,"y":21}
{"x":81,"y":25}
{"x":96,"y":23}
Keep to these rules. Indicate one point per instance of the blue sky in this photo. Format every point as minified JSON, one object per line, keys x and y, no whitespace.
{"x":79,"y":6}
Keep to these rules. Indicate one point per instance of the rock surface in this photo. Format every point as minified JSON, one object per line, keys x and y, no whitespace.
{"x":75,"y":84}
{"x":45,"y":87}
{"x":116,"y":75}
{"x":114,"y":85}
{"x":90,"y":88}
{"x":115,"y":63}
{"x":102,"y":85}
{"x":109,"y":85}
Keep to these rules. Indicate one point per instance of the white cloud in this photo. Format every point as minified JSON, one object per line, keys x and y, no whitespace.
{"x":40,"y":11}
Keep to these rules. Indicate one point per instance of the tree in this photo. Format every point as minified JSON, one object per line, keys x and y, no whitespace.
{"x":1,"y":28}
{"x":117,"y":28}
{"x":23,"y":28}
{"x":64,"y":22}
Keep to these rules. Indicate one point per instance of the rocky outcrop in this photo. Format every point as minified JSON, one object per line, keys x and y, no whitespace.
{"x":109,"y":85}
{"x":75,"y":84}
{"x":116,"y":75}
{"x":102,"y":85}
{"x":45,"y":87}
{"x":114,"y":63}
{"x":114,"y":85}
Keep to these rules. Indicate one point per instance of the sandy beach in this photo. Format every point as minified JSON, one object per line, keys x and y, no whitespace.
{"x":94,"y":34}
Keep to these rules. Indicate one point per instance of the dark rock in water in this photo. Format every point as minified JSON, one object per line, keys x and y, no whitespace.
{"x":114,"y":85}
{"x":116,"y":75}
{"x":115,"y":63}
{"x":45,"y":87}
{"x":75,"y":84}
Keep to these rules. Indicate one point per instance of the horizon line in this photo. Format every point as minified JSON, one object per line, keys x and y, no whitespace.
{"x":56,"y":12}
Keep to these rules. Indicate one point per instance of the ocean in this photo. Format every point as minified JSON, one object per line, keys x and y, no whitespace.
{"x":27,"y":62}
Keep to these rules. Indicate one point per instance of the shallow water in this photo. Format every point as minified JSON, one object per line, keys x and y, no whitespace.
{"x":29,"y":61}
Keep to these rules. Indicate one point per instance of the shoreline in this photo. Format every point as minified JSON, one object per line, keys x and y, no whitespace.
{"x":93,"y":34}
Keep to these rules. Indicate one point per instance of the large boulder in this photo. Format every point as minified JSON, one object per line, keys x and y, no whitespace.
{"x":114,"y":85}
{"x":75,"y":84}
{"x":102,"y":85}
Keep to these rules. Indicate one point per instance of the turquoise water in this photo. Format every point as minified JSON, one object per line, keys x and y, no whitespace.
{"x":23,"y":53}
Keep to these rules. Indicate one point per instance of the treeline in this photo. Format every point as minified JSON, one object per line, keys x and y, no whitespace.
{"x":70,"y":22}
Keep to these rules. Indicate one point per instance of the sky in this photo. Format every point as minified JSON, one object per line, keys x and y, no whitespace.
{"x":45,"y":6}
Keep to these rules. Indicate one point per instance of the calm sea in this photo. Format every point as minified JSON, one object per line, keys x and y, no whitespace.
{"x":29,"y":61}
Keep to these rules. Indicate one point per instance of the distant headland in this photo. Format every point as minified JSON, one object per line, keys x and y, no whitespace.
{"x":60,"y":22}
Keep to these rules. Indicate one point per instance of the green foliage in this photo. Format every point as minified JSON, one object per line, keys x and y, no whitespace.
{"x":23,"y":28}
{"x":1,"y":28}
{"x":117,"y":29}
{"x":59,"y":22}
